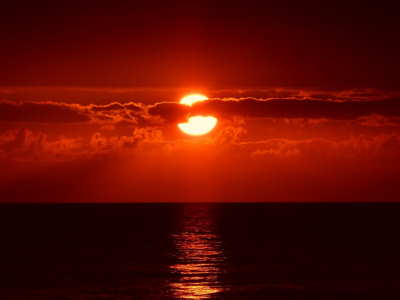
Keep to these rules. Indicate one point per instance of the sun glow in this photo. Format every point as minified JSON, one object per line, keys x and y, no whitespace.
{"x":189,"y":100}
{"x":198,"y":125}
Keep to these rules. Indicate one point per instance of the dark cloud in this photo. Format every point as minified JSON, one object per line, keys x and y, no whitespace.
{"x":335,"y":106}
{"x":116,"y":106}
{"x":53,"y":112}
{"x":130,"y":112}
{"x":289,"y":108}
{"x":46,"y":112}
{"x":337,"y":109}
{"x":169,"y":111}
{"x":108,"y":107}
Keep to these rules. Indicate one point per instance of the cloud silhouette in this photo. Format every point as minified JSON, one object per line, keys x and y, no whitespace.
{"x":291,"y":108}
{"x":133,"y":112}
{"x":44,"y":112}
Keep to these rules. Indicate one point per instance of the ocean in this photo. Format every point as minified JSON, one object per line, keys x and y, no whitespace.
{"x":200,"y":251}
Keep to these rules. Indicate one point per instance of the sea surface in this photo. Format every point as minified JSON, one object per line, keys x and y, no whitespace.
{"x":200,"y":251}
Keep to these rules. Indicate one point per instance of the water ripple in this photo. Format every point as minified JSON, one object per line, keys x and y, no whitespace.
{"x":199,"y":257}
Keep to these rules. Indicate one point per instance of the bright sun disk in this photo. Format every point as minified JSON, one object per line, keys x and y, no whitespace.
{"x":193,"y":98}
{"x":198,"y":125}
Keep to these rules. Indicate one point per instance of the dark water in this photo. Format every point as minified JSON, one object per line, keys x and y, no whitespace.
{"x":200,"y":251}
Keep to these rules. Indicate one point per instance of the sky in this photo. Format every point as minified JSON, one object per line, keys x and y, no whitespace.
{"x":214,"y":44}
{"x":306,"y":95}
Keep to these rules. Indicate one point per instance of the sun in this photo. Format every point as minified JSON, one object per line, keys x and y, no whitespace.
{"x":198,"y":125}
{"x":189,"y":100}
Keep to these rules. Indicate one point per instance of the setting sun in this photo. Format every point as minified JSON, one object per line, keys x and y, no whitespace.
{"x":198,"y":125}
{"x":203,"y":150}
{"x":193,"y":98}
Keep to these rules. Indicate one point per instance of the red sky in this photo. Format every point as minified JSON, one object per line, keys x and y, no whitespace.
{"x":214,"y":44}
{"x":89,"y":92}
{"x":290,"y":145}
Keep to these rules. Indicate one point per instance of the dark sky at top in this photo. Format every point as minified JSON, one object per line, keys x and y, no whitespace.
{"x":200,"y":43}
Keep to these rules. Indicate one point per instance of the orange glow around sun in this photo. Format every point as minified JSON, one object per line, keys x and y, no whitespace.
{"x":197,"y":125}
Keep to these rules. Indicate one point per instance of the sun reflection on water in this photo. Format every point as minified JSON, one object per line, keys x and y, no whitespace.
{"x":199,"y":255}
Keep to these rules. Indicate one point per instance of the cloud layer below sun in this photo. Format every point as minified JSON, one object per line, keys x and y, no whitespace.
{"x":287,"y":145}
